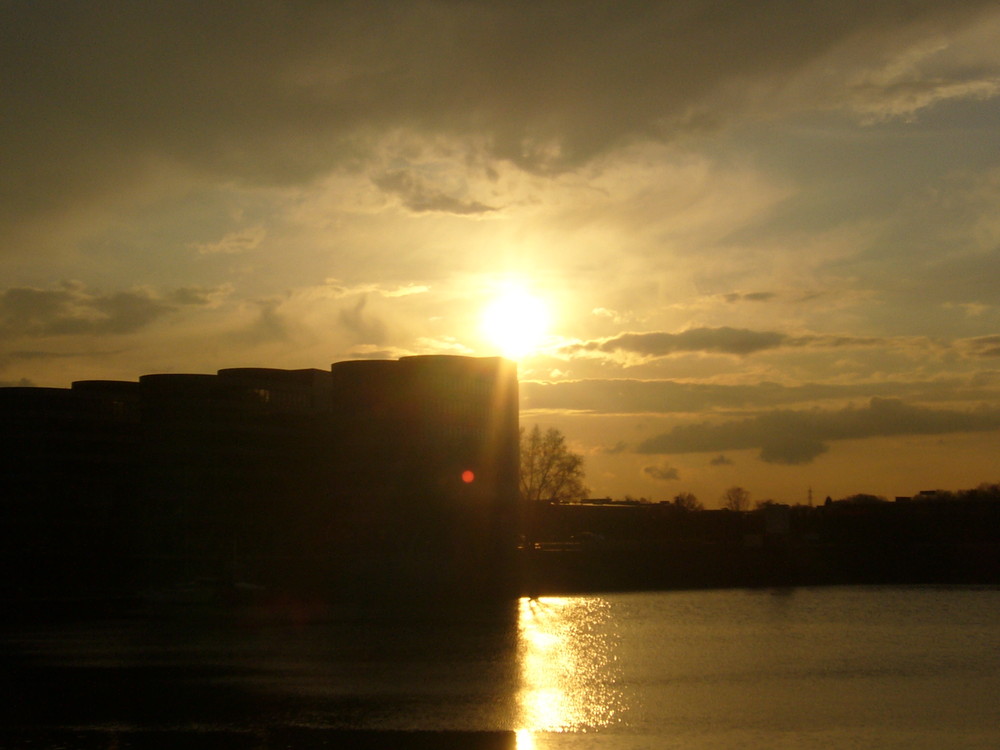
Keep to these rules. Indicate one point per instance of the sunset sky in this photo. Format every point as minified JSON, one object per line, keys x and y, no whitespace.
{"x":756,"y":244}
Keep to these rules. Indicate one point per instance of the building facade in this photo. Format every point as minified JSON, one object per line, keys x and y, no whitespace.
{"x":373,"y":475}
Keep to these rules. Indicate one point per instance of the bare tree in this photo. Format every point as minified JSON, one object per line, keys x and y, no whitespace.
{"x":736,"y":498}
{"x":550,"y":472}
{"x":687,"y":501}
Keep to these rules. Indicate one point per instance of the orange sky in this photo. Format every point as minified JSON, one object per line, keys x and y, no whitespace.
{"x":759,"y":244}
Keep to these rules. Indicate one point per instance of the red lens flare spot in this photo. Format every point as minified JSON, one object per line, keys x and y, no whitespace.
{"x":468,"y":477}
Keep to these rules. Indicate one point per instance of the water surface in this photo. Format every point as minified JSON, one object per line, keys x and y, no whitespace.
{"x":912,"y":667}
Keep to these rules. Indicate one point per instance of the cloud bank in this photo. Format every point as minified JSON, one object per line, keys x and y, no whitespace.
{"x":281,"y":93}
{"x":798,"y":437}
{"x":74,"y":310}
{"x":628,"y":396}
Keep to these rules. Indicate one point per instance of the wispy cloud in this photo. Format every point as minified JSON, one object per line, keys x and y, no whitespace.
{"x":240,"y":241}
{"x":341,"y":289}
{"x":921,"y":76}
{"x":363,"y":326}
{"x":420,"y":197}
{"x":268,"y":325}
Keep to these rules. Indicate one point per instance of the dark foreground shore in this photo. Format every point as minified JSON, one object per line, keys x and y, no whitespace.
{"x":281,"y":738}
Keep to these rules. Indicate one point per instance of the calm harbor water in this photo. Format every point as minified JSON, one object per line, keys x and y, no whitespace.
{"x":885,"y":667}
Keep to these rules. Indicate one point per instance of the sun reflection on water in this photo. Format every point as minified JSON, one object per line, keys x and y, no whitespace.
{"x":568,"y":667}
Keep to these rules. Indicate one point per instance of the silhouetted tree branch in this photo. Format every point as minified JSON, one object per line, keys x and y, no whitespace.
{"x":550,"y":472}
{"x":736,"y":498}
{"x":687,"y":501}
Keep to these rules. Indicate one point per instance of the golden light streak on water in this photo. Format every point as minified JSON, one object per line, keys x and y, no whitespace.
{"x":568,"y":671}
{"x":524,"y":740}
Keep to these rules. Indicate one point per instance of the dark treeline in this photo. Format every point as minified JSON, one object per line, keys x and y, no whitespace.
{"x":937,"y":537}
{"x":933,"y":538}
{"x":394,"y":477}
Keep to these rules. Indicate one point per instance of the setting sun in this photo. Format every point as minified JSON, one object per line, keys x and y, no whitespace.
{"x":515,"y":322}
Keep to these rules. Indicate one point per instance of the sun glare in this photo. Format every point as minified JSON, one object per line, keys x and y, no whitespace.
{"x":515,"y":322}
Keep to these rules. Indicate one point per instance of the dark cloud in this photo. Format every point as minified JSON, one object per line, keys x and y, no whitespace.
{"x":620,"y":447}
{"x":984,"y":346}
{"x":192,"y":296}
{"x":623,"y":396}
{"x":96,"y":97}
{"x":661,"y":472}
{"x":827,"y":341}
{"x":790,"y":449}
{"x":750,"y":297}
{"x":796,"y":437}
{"x":720,"y":460}
{"x":72,"y":310}
{"x":418,"y":196}
{"x":724,"y":340}
{"x":125,"y":312}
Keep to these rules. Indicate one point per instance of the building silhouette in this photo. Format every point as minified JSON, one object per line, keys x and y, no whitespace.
{"x":373,"y":476}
